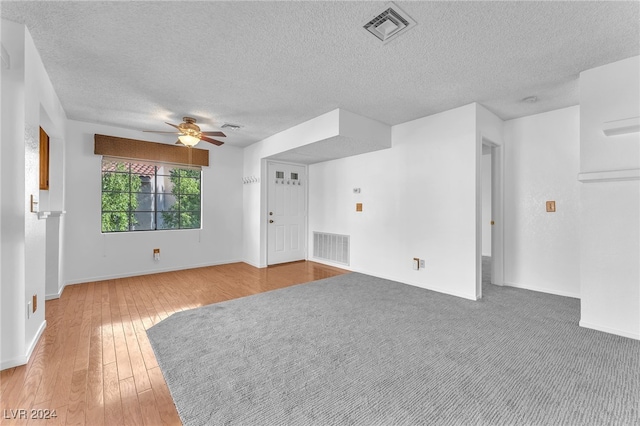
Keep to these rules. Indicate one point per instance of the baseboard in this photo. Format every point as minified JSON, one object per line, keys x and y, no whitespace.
{"x":35,"y":340}
{"x":609,"y":330}
{"x":55,"y":295}
{"x":255,"y":265}
{"x":543,"y":290}
{"x":147,"y":272}
{"x":329,"y":263}
{"x":15,"y":362}
{"x":390,"y":278}
{"x":22,"y":360}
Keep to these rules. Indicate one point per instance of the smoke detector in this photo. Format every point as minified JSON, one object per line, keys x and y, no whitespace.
{"x":389,"y":23}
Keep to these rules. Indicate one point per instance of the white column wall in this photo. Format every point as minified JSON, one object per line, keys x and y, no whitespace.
{"x":541,"y":164}
{"x":28,"y":100}
{"x":419,"y":200}
{"x":610,"y":209}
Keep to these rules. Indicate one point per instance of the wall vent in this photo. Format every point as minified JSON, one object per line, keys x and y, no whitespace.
{"x":390,"y":23}
{"x":333,"y":247}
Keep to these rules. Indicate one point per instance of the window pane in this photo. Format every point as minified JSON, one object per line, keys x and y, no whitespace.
{"x":165,"y":202}
{"x":189,"y":220}
{"x":113,"y":181}
{"x":147,"y":184}
{"x":115,"y":201}
{"x":164,"y":184}
{"x":143,"y":221}
{"x":189,"y":202}
{"x":168,"y":220}
{"x":115,"y":222}
{"x":115,"y":166}
{"x":189,"y":185}
{"x":144,"y":196}
{"x":143,"y":202}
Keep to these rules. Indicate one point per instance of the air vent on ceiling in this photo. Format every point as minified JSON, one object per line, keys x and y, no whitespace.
{"x":390,"y":23}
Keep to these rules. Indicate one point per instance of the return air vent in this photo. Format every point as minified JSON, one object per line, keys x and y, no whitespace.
{"x":333,"y":247}
{"x":390,"y":23}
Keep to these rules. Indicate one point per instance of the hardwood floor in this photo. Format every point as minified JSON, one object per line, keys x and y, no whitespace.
{"x":94,"y":364}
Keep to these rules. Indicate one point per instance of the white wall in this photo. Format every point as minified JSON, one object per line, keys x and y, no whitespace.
{"x":610,"y":209}
{"x":419,"y":200}
{"x":542,"y":249}
{"x":28,"y":102}
{"x":91,"y":255}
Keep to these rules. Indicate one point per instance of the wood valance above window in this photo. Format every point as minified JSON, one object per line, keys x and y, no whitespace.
{"x":112,"y":146}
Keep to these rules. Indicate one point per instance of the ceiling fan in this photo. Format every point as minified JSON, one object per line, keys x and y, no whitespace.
{"x":189,"y":134}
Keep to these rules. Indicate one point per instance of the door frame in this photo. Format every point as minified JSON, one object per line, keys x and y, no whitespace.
{"x":265,"y":210}
{"x":497,"y":213}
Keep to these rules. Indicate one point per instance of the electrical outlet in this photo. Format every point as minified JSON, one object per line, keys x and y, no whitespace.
{"x":156,"y":254}
{"x":422,"y":264}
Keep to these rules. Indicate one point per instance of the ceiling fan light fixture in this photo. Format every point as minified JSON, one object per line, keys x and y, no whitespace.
{"x":188,"y":140}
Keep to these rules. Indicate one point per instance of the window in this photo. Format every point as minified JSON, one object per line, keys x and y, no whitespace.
{"x":142,"y":196}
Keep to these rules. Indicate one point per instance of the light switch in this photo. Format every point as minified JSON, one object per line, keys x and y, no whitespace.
{"x":34,"y":204}
{"x":358,"y":207}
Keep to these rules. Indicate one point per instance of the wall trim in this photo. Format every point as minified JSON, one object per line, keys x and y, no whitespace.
{"x":584,"y":324}
{"x":15,"y":362}
{"x":609,"y":176}
{"x":22,"y":360}
{"x":543,"y":290}
{"x":148,"y":272}
{"x":390,"y":278}
{"x":55,"y":295}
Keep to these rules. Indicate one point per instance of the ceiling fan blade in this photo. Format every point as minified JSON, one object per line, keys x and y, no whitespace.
{"x":213,"y":134}
{"x":213,"y":141}
{"x":173,"y":125}
{"x":155,"y":131}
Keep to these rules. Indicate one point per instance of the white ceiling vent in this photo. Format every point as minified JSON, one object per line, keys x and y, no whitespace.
{"x":390,"y":23}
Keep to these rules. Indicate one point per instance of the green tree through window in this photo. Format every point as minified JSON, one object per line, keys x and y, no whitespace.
{"x":117,"y":202}
{"x":185,"y":213}
{"x":143,"y":196}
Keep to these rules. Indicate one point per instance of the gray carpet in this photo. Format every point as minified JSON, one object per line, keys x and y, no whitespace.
{"x":359,"y":350}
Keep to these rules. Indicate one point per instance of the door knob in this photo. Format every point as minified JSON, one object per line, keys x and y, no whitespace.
{"x":271,"y":221}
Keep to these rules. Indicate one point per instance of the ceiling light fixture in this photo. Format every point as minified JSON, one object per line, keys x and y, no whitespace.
{"x":188,"y":140}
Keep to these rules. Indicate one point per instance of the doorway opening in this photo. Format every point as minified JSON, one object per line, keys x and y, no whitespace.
{"x":490,"y":249}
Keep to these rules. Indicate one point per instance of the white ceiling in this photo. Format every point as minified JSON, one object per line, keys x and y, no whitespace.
{"x":271,"y":65}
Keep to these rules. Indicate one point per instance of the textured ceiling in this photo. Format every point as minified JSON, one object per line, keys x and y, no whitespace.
{"x":271,"y":65}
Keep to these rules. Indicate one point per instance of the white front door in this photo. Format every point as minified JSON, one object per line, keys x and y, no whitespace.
{"x":287,"y":214}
